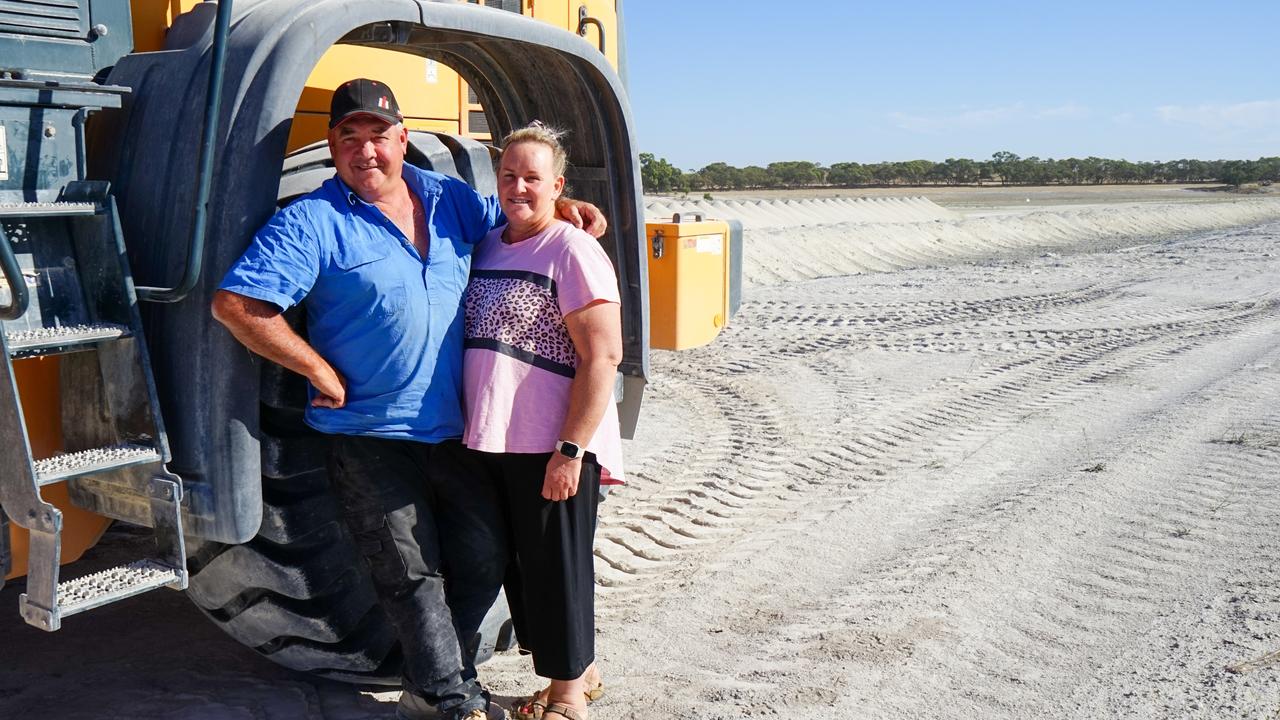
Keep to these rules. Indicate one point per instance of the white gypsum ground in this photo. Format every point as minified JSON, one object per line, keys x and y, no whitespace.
{"x":1041,"y":487}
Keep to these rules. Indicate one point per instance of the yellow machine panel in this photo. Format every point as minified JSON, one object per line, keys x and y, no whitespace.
{"x":689,"y":281}
{"x":552,"y":12}
{"x":566,"y":14}
{"x":605,"y":12}
{"x":429,"y":93}
{"x":151,"y":20}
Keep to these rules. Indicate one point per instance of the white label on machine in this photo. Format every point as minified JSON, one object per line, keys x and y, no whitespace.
{"x":4,"y":155}
{"x":713,"y":244}
{"x":433,"y":72}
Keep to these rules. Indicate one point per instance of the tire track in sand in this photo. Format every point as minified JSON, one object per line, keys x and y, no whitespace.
{"x":734,"y":466}
{"x":1029,"y":618}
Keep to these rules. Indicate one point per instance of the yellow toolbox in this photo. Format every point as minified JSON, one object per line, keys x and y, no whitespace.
{"x":690,"y":279}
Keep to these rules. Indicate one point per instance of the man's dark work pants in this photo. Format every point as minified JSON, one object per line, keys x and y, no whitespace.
{"x":399,"y":497}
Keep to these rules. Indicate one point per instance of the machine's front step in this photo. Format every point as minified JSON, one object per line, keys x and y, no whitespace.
{"x":47,"y":209}
{"x":105,"y":587}
{"x":61,"y":467}
{"x":49,"y":341}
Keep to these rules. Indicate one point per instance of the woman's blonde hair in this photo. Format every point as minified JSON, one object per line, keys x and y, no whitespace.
{"x":537,"y":132}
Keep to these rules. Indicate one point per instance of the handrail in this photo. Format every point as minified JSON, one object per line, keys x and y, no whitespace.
{"x":19,"y":298}
{"x":213,"y":104}
{"x":584,"y":20}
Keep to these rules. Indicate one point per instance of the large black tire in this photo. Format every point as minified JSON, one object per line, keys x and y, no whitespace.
{"x":298,"y":592}
{"x":6,"y":558}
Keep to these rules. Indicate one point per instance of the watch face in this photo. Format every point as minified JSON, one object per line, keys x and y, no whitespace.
{"x":568,"y":449}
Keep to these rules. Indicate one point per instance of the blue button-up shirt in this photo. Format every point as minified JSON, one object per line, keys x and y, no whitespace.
{"x":389,"y":321}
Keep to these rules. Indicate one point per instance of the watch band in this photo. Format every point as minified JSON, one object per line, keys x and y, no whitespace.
{"x":569,"y":449}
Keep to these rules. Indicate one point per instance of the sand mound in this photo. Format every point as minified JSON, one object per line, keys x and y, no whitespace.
{"x":803,"y":239}
{"x":809,"y":212}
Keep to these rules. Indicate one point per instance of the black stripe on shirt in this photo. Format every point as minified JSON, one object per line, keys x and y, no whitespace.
{"x":522,"y":355}
{"x":541,"y":281}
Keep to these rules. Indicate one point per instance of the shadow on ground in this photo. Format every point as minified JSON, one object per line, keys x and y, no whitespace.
{"x":154,"y":656}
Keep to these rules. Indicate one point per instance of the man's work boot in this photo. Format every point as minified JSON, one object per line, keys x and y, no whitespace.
{"x":493,"y":713}
{"x":415,"y":707}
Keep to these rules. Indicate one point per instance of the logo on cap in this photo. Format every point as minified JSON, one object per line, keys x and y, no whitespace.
{"x":363,"y":97}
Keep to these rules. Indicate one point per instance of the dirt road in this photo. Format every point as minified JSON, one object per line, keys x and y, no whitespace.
{"x":1042,"y":487}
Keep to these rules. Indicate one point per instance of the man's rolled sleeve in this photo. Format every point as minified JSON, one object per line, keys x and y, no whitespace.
{"x":478,"y":213}
{"x":280,"y":265}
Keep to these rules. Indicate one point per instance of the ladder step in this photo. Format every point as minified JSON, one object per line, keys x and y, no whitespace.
{"x":48,"y":341}
{"x":61,"y":467}
{"x":108,"y":586}
{"x":47,"y":209}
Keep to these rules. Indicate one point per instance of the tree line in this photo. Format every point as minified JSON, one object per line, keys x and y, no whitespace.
{"x":1004,"y":168}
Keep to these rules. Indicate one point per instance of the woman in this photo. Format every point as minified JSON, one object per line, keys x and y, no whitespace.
{"x":543,"y":342}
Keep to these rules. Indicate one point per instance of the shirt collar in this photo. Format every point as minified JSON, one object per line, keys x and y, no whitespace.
{"x":415,"y":177}
{"x":352,"y":198}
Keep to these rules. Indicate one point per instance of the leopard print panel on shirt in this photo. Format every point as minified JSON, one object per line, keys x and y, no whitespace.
{"x":515,"y":313}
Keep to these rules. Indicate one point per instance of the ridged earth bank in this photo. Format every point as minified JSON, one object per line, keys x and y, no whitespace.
{"x":805,"y":239}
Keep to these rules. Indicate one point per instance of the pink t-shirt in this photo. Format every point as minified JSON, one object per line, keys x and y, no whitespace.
{"x":519,"y":360}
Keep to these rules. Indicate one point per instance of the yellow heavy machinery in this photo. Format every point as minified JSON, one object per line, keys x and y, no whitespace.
{"x":140,"y":148}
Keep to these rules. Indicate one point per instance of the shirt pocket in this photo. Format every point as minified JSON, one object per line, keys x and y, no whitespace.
{"x":368,"y":274}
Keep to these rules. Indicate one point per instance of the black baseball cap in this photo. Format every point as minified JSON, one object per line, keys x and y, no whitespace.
{"x":363,"y":97}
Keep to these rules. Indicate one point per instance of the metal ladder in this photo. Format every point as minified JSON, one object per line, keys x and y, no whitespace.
{"x":67,"y":291}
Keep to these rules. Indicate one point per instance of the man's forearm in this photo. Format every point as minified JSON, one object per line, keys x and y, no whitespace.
{"x":582,"y":214}
{"x":260,"y":327}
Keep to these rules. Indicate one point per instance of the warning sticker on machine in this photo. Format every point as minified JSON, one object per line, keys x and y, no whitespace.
{"x":713,"y":244}
{"x":4,"y":155}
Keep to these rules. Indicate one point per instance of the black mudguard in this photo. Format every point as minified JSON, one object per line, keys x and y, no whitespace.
{"x":208,"y":383}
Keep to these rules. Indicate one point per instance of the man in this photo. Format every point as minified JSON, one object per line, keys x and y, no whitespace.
{"x":381,"y":252}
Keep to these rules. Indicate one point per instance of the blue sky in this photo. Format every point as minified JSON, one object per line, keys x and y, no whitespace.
{"x":754,"y":82}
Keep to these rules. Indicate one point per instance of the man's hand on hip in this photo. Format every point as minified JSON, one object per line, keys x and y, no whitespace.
{"x":261,"y":328}
{"x":331,"y":388}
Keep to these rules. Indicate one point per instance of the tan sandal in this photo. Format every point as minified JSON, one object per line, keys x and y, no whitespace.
{"x":565,"y":711}
{"x":528,"y":708}
{"x":534,"y":706}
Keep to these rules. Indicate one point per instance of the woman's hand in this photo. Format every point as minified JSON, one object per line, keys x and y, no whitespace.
{"x":561,"y":482}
